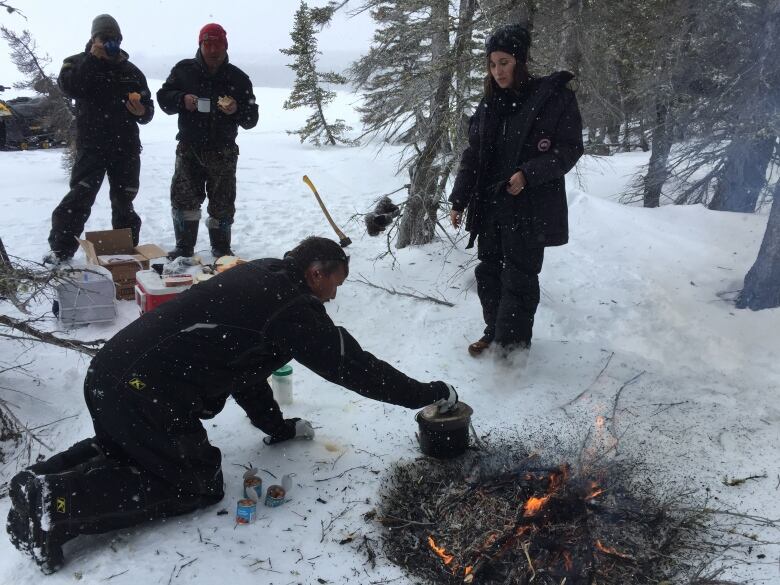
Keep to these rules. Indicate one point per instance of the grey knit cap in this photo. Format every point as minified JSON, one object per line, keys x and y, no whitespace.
{"x":105,"y":25}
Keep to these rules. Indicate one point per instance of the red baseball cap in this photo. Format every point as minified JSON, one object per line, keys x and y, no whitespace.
{"x":214,"y":33}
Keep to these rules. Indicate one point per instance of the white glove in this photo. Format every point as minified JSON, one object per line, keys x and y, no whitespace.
{"x":303,"y":430}
{"x":447,"y":404}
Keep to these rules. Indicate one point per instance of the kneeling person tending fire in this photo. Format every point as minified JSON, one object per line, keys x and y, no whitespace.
{"x":149,"y":387}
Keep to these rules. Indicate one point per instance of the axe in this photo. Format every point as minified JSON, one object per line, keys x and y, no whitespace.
{"x":344,"y":241}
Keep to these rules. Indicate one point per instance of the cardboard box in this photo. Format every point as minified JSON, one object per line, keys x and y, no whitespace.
{"x":113,"y":249}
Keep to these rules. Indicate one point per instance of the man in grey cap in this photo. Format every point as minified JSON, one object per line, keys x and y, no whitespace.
{"x":112,"y":98}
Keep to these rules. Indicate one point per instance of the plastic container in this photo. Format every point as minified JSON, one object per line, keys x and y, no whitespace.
{"x":151,"y":291}
{"x":282,"y":385}
{"x":86,"y":297}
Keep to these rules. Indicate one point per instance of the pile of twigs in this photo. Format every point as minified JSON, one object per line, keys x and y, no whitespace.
{"x":507,"y":517}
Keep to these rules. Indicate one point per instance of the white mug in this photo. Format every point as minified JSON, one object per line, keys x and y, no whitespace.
{"x":204,"y":105}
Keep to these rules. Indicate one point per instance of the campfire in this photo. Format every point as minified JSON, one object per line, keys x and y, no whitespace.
{"x":504,"y":516}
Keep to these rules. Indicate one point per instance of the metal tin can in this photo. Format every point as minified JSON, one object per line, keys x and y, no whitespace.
{"x":246,"y":510}
{"x":274,"y":496}
{"x":253,"y":488}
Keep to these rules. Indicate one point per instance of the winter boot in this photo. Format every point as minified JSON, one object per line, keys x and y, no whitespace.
{"x":30,"y":524}
{"x":219,"y":234}
{"x":479,"y":346}
{"x":55,"y":259}
{"x":186,"y":231}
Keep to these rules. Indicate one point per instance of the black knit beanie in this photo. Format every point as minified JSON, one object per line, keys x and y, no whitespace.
{"x":513,"y":39}
{"x":106,"y":26}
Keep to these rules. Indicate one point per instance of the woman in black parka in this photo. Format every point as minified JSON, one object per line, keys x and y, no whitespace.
{"x":524,"y":137}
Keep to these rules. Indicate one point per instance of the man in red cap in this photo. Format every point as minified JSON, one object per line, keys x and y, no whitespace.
{"x":212,"y":98}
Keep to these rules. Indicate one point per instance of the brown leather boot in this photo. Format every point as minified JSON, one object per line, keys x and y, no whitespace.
{"x":476,"y":348}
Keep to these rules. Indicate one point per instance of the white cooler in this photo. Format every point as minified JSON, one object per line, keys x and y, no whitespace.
{"x":86,"y":296}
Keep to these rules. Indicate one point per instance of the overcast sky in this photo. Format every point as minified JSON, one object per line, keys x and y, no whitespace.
{"x":157,"y":33}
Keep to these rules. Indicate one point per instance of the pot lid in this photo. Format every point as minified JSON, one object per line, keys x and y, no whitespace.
{"x":462,"y":412}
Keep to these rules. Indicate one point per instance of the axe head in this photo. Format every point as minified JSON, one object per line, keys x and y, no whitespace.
{"x":344,"y":242}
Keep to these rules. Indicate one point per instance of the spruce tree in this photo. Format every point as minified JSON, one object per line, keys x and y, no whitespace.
{"x":56,"y":113}
{"x":307,"y":91}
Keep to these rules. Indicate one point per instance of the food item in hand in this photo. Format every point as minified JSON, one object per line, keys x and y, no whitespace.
{"x":134,"y":97}
{"x":202,"y":277}
{"x":224,"y":101}
{"x":227,"y":262}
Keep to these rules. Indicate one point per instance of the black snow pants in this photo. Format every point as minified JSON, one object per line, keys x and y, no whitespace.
{"x":507,"y":282}
{"x":91,"y":166}
{"x":149,"y":459}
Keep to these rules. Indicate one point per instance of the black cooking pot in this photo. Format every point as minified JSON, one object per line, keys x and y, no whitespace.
{"x":444,"y":435}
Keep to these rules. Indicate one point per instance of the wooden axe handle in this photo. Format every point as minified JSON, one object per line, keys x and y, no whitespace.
{"x":332,"y":223}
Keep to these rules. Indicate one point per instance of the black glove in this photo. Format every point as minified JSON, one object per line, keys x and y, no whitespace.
{"x":295,"y":428}
{"x":286,"y":435}
{"x":450,"y":402}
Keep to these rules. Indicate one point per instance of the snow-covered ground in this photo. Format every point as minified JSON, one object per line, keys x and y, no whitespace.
{"x":640,"y":289}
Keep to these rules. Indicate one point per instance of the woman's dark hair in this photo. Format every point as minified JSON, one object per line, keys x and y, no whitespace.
{"x":521,"y":75}
{"x":515,"y":40}
{"x":314,"y":249}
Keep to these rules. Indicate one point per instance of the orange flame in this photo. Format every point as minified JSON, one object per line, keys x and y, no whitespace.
{"x":611,"y":551}
{"x":440,"y":551}
{"x":596,"y":491}
{"x":468,"y":571}
{"x":534,"y":505}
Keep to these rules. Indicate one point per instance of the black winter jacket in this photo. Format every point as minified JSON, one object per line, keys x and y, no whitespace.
{"x":550,"y":120}
{"x":227,"y":335}
{"x":214,"y":128}
{"x":100,"y":88}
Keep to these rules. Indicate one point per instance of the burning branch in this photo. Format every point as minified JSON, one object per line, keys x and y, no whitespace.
{"x":611,"y":551}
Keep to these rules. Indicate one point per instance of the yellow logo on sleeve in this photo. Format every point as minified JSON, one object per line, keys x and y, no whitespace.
{"x":61,"y":505}
{"x":137,"y":384}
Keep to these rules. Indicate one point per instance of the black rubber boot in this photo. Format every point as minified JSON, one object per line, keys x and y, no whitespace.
{"x":186,"y":237}
{"x":30,"y":522}
{"x":219,"y":234}
{"x":55,"y":259}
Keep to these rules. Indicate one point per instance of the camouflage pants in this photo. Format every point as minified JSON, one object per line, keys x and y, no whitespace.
{"x":203,"y":172}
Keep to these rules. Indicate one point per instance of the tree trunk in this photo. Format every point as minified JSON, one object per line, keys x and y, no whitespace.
{"x":743,"y":175}
{"x":570,"y":54}
{"x":613,"y":134}
{"x":501,"y":12}
{"x":6,"y":285}
{"x":747,"y":159}
{"x":625,"y":145}
{"x":418,"y":223}
{"x":762,"y":282}
{"x":657,"y":172}
{"x":643,"y":144}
